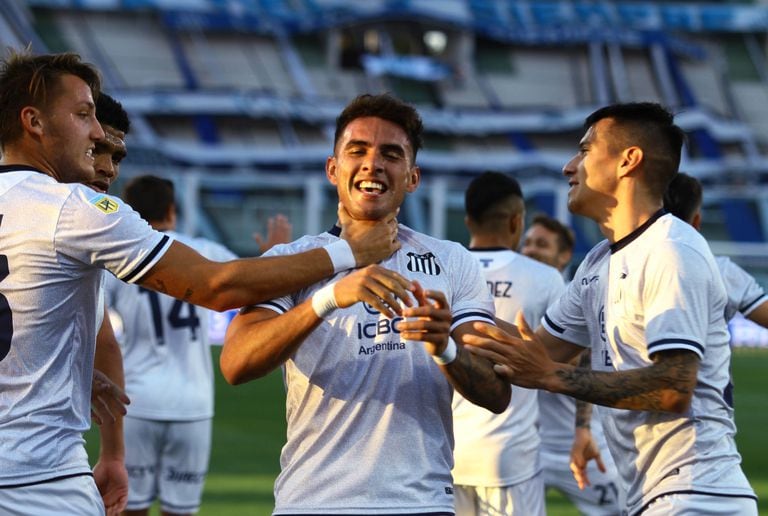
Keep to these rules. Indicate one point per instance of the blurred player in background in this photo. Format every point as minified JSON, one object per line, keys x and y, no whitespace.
{"x":550,"y":241}
{"x":368,"y":405}
{"x":168,"y":372}
{"x":496,"y":456}
{"x":653,"y":290}
{"x":57,"y":238}
{"x":683,"y":200}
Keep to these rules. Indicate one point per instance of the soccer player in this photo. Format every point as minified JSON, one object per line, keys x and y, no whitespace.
{"x":168,"y":372}
{"x":550,"y":241}
{"x":653,"y":294}
{"x":683,"y":200}
{"x":496,"y":456}
{"x":368,"y":407}
{"x":57,"y":237}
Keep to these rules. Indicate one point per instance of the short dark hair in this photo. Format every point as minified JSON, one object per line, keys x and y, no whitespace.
{"x":386,"y":107}
{"x":486,"y":192}
{"x":150,"y":196}
{"x":683,"y":196}
{"x":34,"y":80}
{"x":651,"y":127}
{"x":111,"y":112}
{"x":565,"y":237}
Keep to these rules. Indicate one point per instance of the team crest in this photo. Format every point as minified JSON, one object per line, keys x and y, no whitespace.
{"x":423,"y":263}
{"x":105,"y":204}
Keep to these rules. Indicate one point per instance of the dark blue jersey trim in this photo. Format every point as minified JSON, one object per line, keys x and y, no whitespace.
{"x":624,"y":242}
{"x":335,"y":231}
{"x":489,"y":249}
{"x":19,"y":168}
{"x":751,"y":303}
{"x":54,"y":479}
{"x":465,"y":315}
{"x":675,"y":341}
{"x":280,"y":307}
{"x":151,"y":256}
{"x":554,"y":326}
{"x":691,"y":491}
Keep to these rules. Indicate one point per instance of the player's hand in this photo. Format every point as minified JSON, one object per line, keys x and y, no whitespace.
{"x":583,"y":450}
{"x":371,"y":241}
{"x":381,"y":288}
{"x":520,"y":361}
{"x":107,"y":399}
{"x":429,"y":322}
{"x":111,"y":478}
{"x":279,"y":231}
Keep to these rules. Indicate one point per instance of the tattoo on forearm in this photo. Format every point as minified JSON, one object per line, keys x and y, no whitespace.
{"x":672,"y":376}
{"x":584,"y":408}
{"x":475,"y":378}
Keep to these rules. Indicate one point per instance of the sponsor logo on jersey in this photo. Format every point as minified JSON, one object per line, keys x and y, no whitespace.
{"x":105,"y":204}
{"x":423,"y":263}
{"x":587,"y":281}
{"x":371,"y":329}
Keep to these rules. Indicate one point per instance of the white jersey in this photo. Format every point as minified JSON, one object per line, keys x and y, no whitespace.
{"x":166,"y":355}
{"x":55,"y":239}
{"x":744,"y":293}
{"x":369,"y":415}
{"x":494,"y":450}
{"x":664,"y":292}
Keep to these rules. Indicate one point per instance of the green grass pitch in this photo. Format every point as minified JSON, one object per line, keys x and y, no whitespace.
{"x":249,"y":430}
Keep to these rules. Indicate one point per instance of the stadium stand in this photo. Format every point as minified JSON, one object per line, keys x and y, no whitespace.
{"x":235,"y":100}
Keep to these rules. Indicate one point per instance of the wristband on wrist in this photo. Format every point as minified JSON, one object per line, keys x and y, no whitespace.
{"x":341,"y":255}
{"x":324,"y":301}
{"x":448,"y":355}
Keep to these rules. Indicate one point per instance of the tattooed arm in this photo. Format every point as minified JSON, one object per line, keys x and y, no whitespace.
{"x":666,"y":385}
{"x":472,"y":376}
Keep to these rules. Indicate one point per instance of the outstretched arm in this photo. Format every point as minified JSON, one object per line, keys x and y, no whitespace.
{"x":184,"y":274}
{"x":666,"y":385}
{"x":760,"y":315}
{"x":470,"y":375}
{"x":259,"y":340}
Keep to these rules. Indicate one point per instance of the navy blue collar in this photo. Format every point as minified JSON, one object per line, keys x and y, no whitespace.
{"x":489,"y":249}
{"x":624,"y":242}
{"x":15,"y":168}
{"x":335,"y":230}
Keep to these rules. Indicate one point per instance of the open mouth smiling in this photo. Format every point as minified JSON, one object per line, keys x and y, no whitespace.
{"x":371,"y":187}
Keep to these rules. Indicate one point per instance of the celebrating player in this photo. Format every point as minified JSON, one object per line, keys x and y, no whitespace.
{"x":369,"y":409}
{"x":650,"y":302}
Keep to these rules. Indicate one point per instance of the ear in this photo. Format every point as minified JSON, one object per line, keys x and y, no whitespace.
{"x":696,"y":222}
{"x":31,"y":120}
{"x":413,"y":179}
{"x":330,"y":170}
{"x":630,"y":160}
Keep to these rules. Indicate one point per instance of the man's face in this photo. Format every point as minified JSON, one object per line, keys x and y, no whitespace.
{"x":541,"y":244}
{"x":372,"y":168}
{"x":592,"y":172}
{"x":69,"y":131}
{"x":108,"y":154}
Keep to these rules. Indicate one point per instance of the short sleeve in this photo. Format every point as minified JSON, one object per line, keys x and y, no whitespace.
{"x":471,"y":300}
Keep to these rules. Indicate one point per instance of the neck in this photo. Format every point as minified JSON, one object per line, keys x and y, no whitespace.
{"x":627,"y":216}
{"x":491,"y":240}
{"x":17,"y":155}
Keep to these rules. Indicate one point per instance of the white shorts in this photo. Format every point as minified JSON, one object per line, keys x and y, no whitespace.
{"x":523,"y":499}
{"x":687,"y":504}
{"x":73,"y":496}
{"x":603,"y":497}
{"x":166,"y":460}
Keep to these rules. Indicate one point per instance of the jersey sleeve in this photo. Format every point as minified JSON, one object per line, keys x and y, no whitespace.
{"x":471,"y":299}
{"x":101,"y":230}
{"x":282,"y":304}
{"x":565,"y":317}
{"x":744,"y":292}
{"x":681,"y":287}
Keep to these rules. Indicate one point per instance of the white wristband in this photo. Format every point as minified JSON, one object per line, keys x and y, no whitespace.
{"x":448,"y":355}
{"x":341,"y":255}
{"x":324,"y":301}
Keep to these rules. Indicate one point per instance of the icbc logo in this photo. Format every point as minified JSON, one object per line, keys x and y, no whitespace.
{"x":381,"y":327}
